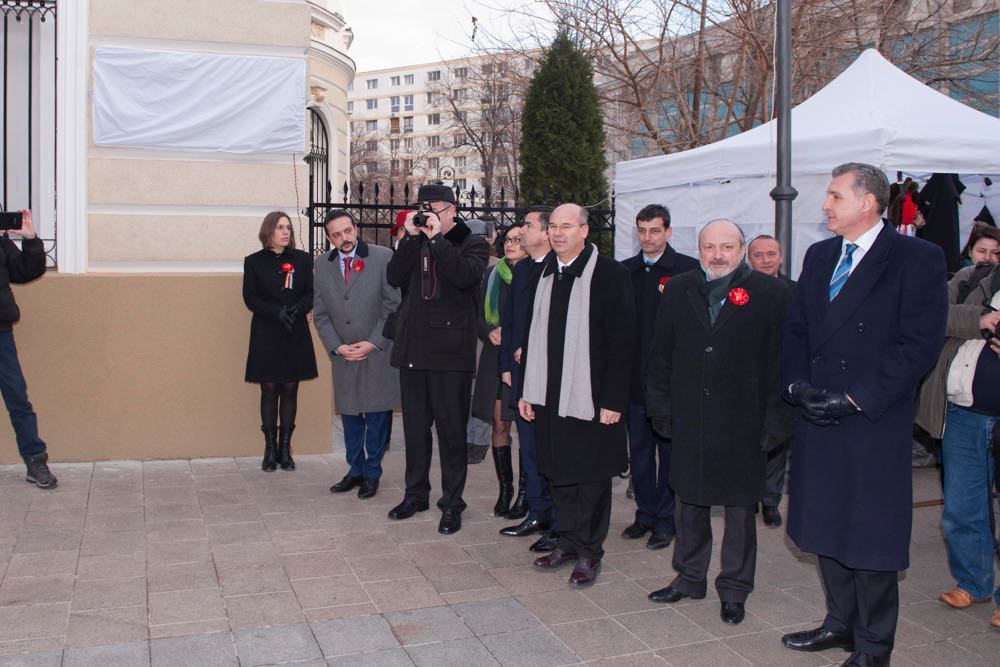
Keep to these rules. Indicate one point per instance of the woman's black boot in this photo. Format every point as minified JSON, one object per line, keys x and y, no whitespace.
{"x":519,"y":509}
{"x":505,"y":475}
{"x":285,"y":447}
{"x":269,"y":464}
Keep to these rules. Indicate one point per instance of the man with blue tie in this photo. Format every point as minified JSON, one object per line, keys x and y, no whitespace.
{"x":649,"y":454}
{"x":866,"y":324}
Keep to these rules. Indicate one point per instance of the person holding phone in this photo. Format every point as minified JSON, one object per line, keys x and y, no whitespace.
{"x":20,"y":265}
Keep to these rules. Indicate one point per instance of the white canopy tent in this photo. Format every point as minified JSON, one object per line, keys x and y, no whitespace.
{"x":873,"y":113}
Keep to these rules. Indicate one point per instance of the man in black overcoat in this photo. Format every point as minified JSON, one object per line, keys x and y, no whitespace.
{"x":867,"y":323}
{"x":764,"y":255}
{"x":714,"y":387}
{"x":649,"y":455}
{"x":439,"y":265}
{"x":576,"y":364}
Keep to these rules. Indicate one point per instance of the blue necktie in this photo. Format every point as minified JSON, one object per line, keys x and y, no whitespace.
{"x":843,"y":271}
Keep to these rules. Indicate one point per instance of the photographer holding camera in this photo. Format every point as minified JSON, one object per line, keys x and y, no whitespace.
{"x":437,"y":265}
{"x":960,"y":403}
{"x":21,"y":266}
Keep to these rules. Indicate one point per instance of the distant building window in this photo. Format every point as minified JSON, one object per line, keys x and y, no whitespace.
{"x":394,"y":81}
{"x":487,"y":69}
{"x":408,"y":103}
{"x":434,"y":119}
{"x":461,"y":72}
{"x":394,"y":145}
{"x":459,"y":139}
{"x":462,"y":116}
{"x":394,"y":104}
{"x":393,"y":125}
{"x":371,"y":84}
{"x":350,"y":107}
{"x":460,"y":162}
{"x":433,"y":141}
{"x":407,"y":166}
{"x":460,"y":183}
{"x":408,"y":124}
{"x":371,"y":104}
{"x":394,"y":167}
{"x":434,"y":163}
{"x":460,"y":94}
{"x":371,"y":126}
{"x":408,"y":144}
{"x":434,"y":76}
{"x":408,"y":79}
{"x":371,"y":146}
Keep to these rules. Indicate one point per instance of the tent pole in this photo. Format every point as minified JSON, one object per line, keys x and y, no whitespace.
{"x":784,"y":193}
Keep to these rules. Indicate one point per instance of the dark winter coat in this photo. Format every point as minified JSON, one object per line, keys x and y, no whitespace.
{"x":484,"y":393}
{"x":515,"y":316}
{"x":570,"y":450}
{"x":437,"y":319}
{"x":19,"y":266}
{"x":850,"y":485}
{"x":275,"y":354}
{"x":647,"y":291}
{"x":720,"y":386}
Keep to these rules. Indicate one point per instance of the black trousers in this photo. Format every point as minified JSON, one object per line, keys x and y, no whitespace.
{"x":693,"y":551}
{"x":440,"y":398}
{"x":584,"y":512}
{"x":864,"y":603}
{"x":774,"y":471}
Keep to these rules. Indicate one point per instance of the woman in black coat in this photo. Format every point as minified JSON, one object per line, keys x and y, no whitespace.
{"x":278,"y":290}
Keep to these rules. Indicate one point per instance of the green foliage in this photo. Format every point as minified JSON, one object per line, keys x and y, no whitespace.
{"x":562,"y":137}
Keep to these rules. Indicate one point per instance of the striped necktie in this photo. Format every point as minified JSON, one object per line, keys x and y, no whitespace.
{"x":843,"y":271}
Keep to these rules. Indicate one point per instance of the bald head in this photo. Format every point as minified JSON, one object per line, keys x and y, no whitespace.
{"x":720,"y":248}
{"x":568,"y":231}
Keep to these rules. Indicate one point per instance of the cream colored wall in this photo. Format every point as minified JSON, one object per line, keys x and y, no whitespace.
{"x":148,"y":366}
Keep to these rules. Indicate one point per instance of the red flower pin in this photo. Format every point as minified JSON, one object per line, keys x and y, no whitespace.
{"x":738,"y":296}
{"x":357,"y":266}
{"x":287,"y":267}
{"x":663,"y":283}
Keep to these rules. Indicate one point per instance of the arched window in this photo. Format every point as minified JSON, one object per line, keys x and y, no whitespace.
{"x":318,"y":159}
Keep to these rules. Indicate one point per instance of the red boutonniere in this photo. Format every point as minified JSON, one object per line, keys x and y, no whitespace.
{"x":357,"y":266}
{"x":663,"y":283}
{"x":289,"y":269}
{"x":739,"y":296}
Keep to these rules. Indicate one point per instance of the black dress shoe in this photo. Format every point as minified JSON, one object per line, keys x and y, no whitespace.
{"x":408,"y":508}
{"x":545,"y":543}
{"x":732,"y":612}
{"x":659,"y":541}
{"x":859,"y":659}
{"x":368,"y":489}
{"x":819,"y":639}
{"x":451,"y":522}
{"x":772,"y":517}
{"x":346,"y":484}
{"x":635,"y":530}
{"x":671,"y":595}
{"x":526,"y":527}
{"x":554,"y":560}
{"x":585,"y":573}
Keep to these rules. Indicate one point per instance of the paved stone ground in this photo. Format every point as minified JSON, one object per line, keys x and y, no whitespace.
{"x":212,"y":562}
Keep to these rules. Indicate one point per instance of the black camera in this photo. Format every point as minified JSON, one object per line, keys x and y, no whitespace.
{"x":11,"y":220}
{"x":419,"y":219}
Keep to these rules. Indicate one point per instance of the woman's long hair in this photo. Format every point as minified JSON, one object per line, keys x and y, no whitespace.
{"x":270,"y":224}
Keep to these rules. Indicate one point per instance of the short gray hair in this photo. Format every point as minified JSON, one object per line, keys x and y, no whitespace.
{"x":868,"y":180}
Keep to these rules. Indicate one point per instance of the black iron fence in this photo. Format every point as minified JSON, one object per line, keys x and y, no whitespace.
{"x":375,"y":208}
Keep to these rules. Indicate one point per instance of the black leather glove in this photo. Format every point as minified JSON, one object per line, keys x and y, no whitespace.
{"x":798,"y":391}
{"x":826,"y":406}
{"x":287,"y":318}
{"x":769,"y":443}
{"x":661,"y":427}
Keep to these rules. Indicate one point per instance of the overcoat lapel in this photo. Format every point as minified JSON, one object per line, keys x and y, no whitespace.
{"x":727,"y":307}
{"x":699,"y":306}
{"x":857,"y":287}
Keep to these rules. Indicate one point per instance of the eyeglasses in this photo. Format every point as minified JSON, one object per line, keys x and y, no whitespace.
{"x":562,"y":228}
{"x":516,"y":240}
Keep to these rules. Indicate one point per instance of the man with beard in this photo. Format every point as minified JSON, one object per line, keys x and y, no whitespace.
{"x":714,"y":387}
{"x":351,"y":303}
{"x":575,"y":379}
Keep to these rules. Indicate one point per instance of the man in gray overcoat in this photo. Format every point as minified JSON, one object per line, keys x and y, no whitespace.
{"x":351,"y":304}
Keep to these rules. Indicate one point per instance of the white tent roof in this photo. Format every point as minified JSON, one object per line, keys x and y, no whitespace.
{"x":873,"y":112}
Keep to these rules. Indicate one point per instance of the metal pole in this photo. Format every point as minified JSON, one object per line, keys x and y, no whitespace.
{"x":783,"y":194}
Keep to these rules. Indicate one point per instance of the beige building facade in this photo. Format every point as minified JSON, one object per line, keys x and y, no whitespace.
{"x":135,"y":345}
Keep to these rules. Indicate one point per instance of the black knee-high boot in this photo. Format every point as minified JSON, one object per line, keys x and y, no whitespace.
{"x":505,"y":476}
{"x":285,"y":447}
{"x":269,"y":464}
{"x":519,"y":509}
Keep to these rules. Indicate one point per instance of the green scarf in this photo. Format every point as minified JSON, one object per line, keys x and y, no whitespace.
{"x":492,"y":304}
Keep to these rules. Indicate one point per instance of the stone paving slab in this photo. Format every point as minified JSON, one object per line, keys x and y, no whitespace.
{"x":214,"y":562}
